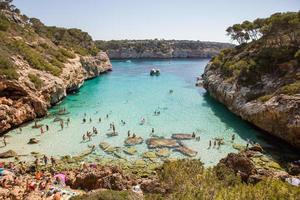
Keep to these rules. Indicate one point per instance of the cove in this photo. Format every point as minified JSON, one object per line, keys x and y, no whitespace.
{"x":129,"y":93}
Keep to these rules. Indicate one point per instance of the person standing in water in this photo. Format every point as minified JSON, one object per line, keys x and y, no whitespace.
{"x":215,"y":143}
{"x":99,"y":119}
{"x":90,"y":120}
{"x":4,"y":140}
{"x":88,"y":134}
{"x":47,"y":127}
{"x":83,"y":138}
{"x":53,"y":161}
{"x":114,"y":128}
{"x":128,"y":133}
{"x":233,"y":138}
{"x":45,"y":158}
{"x":42,"y":130}
{"x":106,"y":116}
{"x":209,"y":144}
{"x":152,"y":131}
{"x":62,"y":124}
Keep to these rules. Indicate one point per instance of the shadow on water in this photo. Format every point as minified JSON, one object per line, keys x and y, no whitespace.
{"x":276,"y":148}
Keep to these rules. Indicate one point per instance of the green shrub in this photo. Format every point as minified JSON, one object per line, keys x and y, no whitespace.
{"x":297,"y":55}
{"x":34,"y":58}
{"x":67,"y":53}
{"x":7,"y":68}
{"x":290,"y":89}
{"x":265,"y":98}
{"x":188,"y":180}
{"x":38,"y":83}
{"x":4,"y":23}
{"x":108,"y":195}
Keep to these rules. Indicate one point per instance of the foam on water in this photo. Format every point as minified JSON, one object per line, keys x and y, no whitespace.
{"x":129,"y":93}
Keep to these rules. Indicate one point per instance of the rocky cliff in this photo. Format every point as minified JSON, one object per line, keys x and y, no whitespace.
{"x":133,"y":49}
{"x":40,"y":65}
{"x":260,"y":80}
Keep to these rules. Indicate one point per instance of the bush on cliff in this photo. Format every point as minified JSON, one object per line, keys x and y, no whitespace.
{"x":188,"y":180}
{"x":38,"y":83}
{"x":7,"y":69}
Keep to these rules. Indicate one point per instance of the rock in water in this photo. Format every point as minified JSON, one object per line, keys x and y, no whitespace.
{"x":130,"y":150}
{"x":161,"y":143}
{"x":33,"y":141}
{"x":256,"y":147}
{"x":183,"y":136}
{"x":163,"y":152}
{"x":8,"y":154}
{"x":133,"y":141}
{"x":186,"y":151}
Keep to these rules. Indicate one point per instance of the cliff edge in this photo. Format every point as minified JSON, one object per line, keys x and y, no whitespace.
{"x":259,"y":80}
{"x":39,"y":65}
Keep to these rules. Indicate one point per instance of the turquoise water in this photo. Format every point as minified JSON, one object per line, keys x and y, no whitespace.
{"x":128,"y":93}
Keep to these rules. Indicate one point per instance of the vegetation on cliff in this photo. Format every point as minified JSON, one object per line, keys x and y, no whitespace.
{"x":189,"y":180}
{"x":268,"y":48}
{"x":162,"y":46}
{"x":42,"y":47}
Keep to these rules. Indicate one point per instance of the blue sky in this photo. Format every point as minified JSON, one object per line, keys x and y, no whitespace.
{"x":141,"y":19}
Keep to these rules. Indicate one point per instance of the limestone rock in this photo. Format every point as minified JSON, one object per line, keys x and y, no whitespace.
{"x":279,"y":115}
{"x":8,"y":154}
{"x":161,"y":143}
{"x":33,"y":141}
{"x":21,"y":102}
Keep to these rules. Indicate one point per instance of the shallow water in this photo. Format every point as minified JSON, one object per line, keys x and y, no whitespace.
{"x":129,"y":93}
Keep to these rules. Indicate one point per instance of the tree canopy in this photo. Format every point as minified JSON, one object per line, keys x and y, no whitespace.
{"x":277,"y":28}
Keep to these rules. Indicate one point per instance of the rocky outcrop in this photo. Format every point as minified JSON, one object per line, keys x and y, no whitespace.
{"x":252,"y":166}
{"x":21,"y":101}
{"x":101,"y":178}
{"x":279,"y":115}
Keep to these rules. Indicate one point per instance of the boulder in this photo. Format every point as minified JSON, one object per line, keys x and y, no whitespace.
{"x":33,"y":141}
{"x":130,"y":150}
{"x":101,"y":178}
{"x":133,"y":141}
{"x":186,"y":151}
{"x":8,"y":154}
{"x":239,"y":163}
{"x":162,"y":143}
{"x":182,"y":136}
{"x":256,"y":147}
{"x":294,"y":169}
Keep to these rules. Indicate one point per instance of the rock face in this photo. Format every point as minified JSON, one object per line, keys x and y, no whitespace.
{"x":279,"y":116}
{"x":104,"y":178}
{"x":20,"y":101}
{"x":161,"y":49}
{"x":253,"y":167}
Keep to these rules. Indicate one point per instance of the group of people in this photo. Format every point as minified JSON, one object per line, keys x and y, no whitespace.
{"x":89,"y":134}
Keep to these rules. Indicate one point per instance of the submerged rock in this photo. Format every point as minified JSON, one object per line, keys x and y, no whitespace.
{"x":163,"y":152}
{"x":130,"y":150}
{"x":186,"y":151}
{"x":149,"y":155}
{"x":112,"y":134}
{"x":33,"y":141}
{"x":161,"y":143}
{"x":256,"y":147}
{"x":133,"y":141}
{"x":8,"y":154}
{"x":183,"y":136}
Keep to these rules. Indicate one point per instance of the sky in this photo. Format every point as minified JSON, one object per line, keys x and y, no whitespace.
{"x":204,"y":20}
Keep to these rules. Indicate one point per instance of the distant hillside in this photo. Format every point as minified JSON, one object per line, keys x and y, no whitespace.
{"x":126,"y":49}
